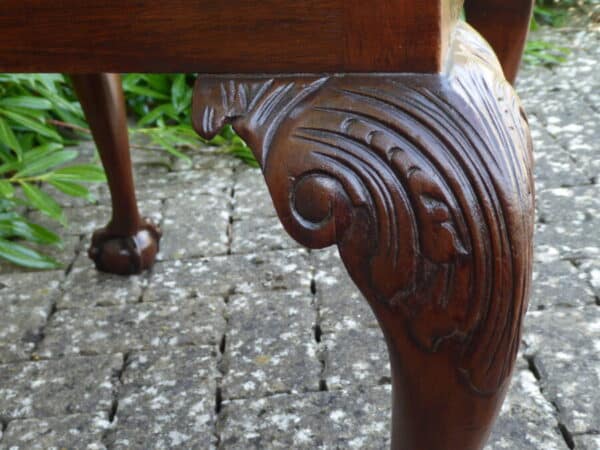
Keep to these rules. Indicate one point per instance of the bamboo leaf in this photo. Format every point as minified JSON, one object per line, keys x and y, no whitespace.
{"x":62,"y":103}
{"x":159,"y":82}
{"x":6,"y":189}
{"x":31,"y":124}
{"x":178,"y":93}
{"x":147,"y":92}
{"x":43,"y":202}
{"x":8,"y":138}
{"x":26,"y":257}
{"x":46,"y":163}
{"x":84,"y":172}
{"x":25,"y":101}
{"x":156,"y":113}
{"x":21,"y":228}
{"x":160,"y":140}
{"x":9,"y":167}
{"x":40,"y":151}
{"x":72,"y":189}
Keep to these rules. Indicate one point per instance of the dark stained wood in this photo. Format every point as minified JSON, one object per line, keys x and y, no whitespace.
{"x":84,"y":36}
{"x":505,"y":24}
{"x":424,"y":182}
{"x":380,"y":37}
{"x":128,"y":244}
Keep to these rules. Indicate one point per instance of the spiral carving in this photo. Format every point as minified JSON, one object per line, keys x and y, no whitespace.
{"x":423,"y":181}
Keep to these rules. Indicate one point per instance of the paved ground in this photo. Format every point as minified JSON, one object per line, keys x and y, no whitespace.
{"x":240,"y":339}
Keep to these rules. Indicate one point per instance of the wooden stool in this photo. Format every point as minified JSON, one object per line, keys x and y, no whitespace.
{"x":401,"y":142}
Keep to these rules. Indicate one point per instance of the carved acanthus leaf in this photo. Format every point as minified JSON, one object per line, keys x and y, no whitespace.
{"x":417,"y":179}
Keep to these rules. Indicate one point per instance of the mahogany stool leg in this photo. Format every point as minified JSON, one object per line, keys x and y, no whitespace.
{"x":505,"y":24}
{"x":424,"y":182}
{"x":129,"y":243}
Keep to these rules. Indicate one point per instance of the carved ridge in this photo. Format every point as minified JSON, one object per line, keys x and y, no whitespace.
{"x":424,"y":183}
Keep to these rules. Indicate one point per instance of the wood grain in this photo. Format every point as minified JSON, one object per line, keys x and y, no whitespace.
{"x":238,"y":36}
{"x":424,"y":182}
{"x":505,"y":24}
{"x":128,"y":244}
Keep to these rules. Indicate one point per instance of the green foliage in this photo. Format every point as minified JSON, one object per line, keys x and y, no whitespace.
{"x":552,"y":13}
{"x":34,"y":153}
{"x":162,"y":106}
{"x":544,"y":53}
{"x":40,"y":118}
{"x":555,"y":13}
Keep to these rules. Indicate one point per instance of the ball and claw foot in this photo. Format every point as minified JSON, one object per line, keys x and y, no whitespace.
{"x":125,"y":255}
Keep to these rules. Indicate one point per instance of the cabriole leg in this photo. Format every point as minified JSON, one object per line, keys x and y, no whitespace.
{"x":424,"y":183}
{"x":129,"y":243}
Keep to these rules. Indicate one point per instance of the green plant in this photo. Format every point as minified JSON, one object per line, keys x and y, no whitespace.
{"x":553,"y":13}
{"x":40,"y":118}
{"x":34,"y":153}
{"x":548,"y":15}
{"x":544,"y":53}
{"x":161,"y":103}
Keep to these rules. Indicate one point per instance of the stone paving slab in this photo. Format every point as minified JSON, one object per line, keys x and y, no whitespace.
{"x":167,"y":399}
{"x":87,"y":287}
{"x":325,"y":420}
{"x":570,"y":220}
{"x":85,"y":220}
{"x":352,"y":344}
{"x":76,"y":431}
{"x":266,"y":233}
{"x":270,"y":345}
{"x":252,"y":198}
{"x":588,"y":442}
{"x":527,"y":420}
{"x":22,"y":325}
{"x":177,"y":414}
{"x":558,"y":113}
{"x":58,"y":387}
{"x":555,"y":167}
{"x":282,"y":270}
{"x":15,"y":351}
{"x":26,"y":301}
{"x":559,"y":284}
{"x":359,"y":419}
{"x":208,"y":159}
{"x":29,"y":289}
{"x":356,"y":357}
{"x":208,"y":175}
{"x":99,"y":331}
{"x":591,"y":269}
{"x":195,"y":225}
{"x":193,"y":363}
{"x":564,"y":345}
{"x":574,"y":206}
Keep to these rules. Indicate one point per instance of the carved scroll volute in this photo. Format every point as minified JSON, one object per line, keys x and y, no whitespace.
{"x":423,"y":182}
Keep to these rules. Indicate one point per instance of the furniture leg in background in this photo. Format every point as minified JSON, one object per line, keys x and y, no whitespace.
{"x":505,"y":24}
{"x":424,"y":182}
{"x":129,"y":243}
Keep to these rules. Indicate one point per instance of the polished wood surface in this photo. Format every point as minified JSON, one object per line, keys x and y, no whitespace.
{"x":128,"y":244}
{"x":84,"y":36}
{"x":505,"y":25}
{"x":424,"y":182}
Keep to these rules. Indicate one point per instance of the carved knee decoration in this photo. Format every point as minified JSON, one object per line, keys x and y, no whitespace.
{"x":424,"y":182}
